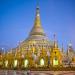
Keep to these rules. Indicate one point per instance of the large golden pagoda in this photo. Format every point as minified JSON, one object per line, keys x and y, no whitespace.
{"x":37,"y":37}
{"x":36,"y":48}
{"x":36,"y":51}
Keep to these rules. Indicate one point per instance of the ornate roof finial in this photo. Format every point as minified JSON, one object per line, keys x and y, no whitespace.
{"x":37,"y":9}
{"x":54,"y":37}
{"x":37,"y":28}
{"x":62,"y":48}
{"x":67,"y":51}
{"x":70,"y":48}
{"x":70,"y":44}
{"x":55,"y":42}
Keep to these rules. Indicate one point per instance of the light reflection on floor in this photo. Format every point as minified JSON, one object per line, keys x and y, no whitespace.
{"x":13,"y":72}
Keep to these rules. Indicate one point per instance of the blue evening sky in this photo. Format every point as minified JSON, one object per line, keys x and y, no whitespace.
{"x":17,"y":19}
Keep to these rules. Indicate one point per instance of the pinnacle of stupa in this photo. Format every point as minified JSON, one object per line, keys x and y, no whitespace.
{"x":37,"y":28}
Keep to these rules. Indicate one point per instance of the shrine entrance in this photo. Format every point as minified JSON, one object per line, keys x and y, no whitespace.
{"x":55,"y":62}
{"x":42,"y":62}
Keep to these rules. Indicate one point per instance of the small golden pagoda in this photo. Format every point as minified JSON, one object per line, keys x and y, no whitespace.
{"x":55,"y":55}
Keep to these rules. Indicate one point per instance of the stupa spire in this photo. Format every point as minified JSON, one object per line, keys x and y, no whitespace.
{"x":37,"y":28}
{"x":37,"y":18}
{"x":62,"y":48}
{"x":55,"y":42}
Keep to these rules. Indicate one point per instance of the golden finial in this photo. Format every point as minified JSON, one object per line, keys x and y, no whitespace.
{"x":70,"y":44}
{"x":54,"y":37}
{"x":37,"y":9}
{"x":37,"y":28}
{"x":55,"y":42}
{"x":62,"y":47}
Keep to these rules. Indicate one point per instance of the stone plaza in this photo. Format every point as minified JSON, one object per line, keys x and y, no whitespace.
{"x":14,"y":72}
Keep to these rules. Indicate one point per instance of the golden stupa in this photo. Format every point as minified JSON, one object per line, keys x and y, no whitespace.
{"x":36,"y":51}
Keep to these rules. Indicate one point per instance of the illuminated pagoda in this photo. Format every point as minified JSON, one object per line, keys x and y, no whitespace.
{"x":36,"y":51}
{"x":37,"y":38}
{"x":36,"y":48}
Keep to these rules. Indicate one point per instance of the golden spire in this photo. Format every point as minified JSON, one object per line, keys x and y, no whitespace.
{"x":37,"y":28}
{"x":62,"y":48}
{"x":37,"y":22}
{"x":37,"y":18}
{"x":55,"y":42}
